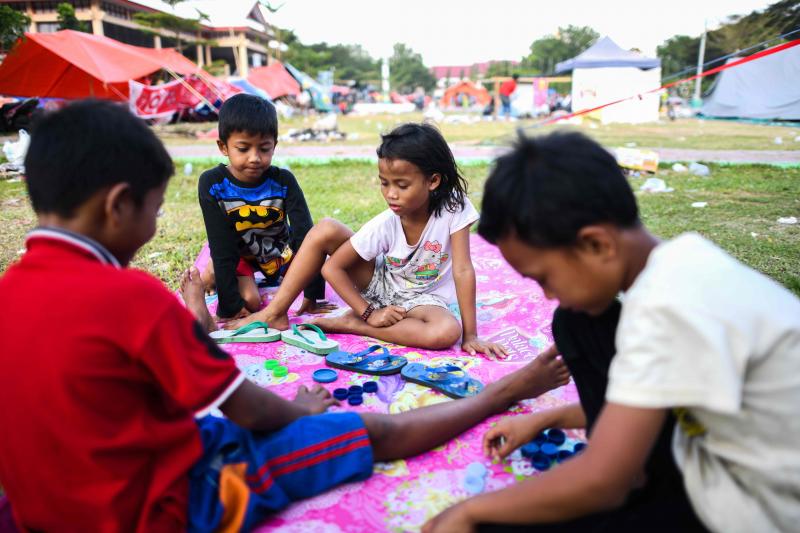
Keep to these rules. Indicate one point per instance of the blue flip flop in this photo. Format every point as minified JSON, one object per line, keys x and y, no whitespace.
{"x":450,"y":380}
{"x":362,"y":362}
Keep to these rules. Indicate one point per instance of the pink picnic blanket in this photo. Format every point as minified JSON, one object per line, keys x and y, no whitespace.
{"x":402,"y":495}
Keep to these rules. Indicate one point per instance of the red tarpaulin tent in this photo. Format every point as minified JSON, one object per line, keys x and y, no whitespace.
{"x":275,"y":80}
{"x":72,"y":64}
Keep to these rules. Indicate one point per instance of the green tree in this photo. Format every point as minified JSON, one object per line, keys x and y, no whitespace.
{"x":349,"y":62}
{"x":67,"y":19}
{"x":565,"y":44}
{"x":12,"y":26}
{"x":407,"y":71}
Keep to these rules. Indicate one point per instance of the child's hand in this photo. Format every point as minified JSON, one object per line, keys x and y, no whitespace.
{"x":473,"y":345}
{"x":454,"y":519}
{"x":509,"y":434}
{"x":386,"y":316}
{"x":317,"y":400}
{"x":313,"y":307}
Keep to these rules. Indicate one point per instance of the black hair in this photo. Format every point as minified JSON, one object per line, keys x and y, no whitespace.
{"x":248,"y":113}
{"x":515,"y":76}
{"x":423,"y":146}
{"x":87,"y":146}
{"x":548,"y":188}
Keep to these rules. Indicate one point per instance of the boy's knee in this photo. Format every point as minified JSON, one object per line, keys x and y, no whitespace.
{"x":326,"y":270}
{"x":252,"y":302}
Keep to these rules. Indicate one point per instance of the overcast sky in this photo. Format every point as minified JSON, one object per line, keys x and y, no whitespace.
{"x":455,"y":32}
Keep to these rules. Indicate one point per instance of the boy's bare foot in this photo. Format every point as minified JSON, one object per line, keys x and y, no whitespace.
{"x":314,"y":307}
{"x":277,"y":321}
{"x":346,"y":323}
{"x":545,"y":373}
{"x":193,"y":293}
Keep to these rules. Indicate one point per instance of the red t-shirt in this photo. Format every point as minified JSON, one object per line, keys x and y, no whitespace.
{"x":508,"y":87}
{"x":102,"y":371}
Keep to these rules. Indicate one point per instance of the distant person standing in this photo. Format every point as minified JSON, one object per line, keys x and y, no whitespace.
{"x":507,"y":88}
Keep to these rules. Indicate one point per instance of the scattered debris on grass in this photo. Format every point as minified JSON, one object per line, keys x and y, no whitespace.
{"x":655,"y":185}
{"x":699,"y":169}
{"x":787,"y":220}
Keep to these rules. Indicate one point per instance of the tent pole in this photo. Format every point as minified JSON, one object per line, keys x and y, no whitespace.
{"x":700,"y":57}
{"x":189,"y":87}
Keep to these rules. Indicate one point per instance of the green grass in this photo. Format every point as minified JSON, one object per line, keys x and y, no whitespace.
{"x":742,"y":200}
{"x":683,"y":133}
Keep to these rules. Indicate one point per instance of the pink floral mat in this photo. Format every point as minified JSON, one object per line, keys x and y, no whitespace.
{"x":402,"y":495}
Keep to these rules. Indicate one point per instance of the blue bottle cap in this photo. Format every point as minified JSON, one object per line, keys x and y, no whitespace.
{"x":540,"y":439}
{"x":579,"y":447}
{"x":355,"y":389}
{"x":541,"y":462}
{"x":370,"y":386}
{"x":529,"y":449}
{"x":340,"y":394}
{"x":556,"y":436}
{"x":563,"y":455}
{"x":549,"y":449}
{"x":474,"y":485}
{"x":476,"y":470}
{"x":325,"y":375}
{"x":355,"y":399}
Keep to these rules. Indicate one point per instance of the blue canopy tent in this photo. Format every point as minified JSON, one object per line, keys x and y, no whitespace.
{"x":606,"y":53}
{"x":605,"y":73}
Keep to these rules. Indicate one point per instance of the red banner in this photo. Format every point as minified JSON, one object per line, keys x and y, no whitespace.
{"x":161,"y":101}
{"x":155,"y":101}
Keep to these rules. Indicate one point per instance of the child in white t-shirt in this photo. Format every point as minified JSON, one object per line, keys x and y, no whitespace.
{"x":701,"y":346}
{"x":403,"y":268}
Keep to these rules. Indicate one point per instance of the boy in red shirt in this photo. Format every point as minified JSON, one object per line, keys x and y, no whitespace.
{"x":106,"y":390}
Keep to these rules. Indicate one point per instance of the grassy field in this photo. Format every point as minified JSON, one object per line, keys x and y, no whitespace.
{"x":744,"y":203}
{"x":683,"y":133}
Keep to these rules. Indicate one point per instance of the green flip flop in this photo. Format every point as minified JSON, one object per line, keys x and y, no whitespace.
{"x":253,"y":332}
{"x":318,"y":344}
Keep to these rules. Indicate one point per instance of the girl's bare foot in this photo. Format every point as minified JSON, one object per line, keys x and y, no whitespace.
{"x":193,"y":293}
{"x":346,"y":323}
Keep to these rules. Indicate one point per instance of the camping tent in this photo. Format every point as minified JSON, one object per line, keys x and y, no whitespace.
{"x":320,"y":95}
{"x":72,"y":64}
{"x":604,"y":73}
{"x":763,"y":89}
{"x":275,"y":80}
{"x":453,"y":94}
{"x":249,"y":88}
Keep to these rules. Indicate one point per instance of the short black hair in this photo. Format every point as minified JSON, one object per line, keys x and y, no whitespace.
{"x":423,"y":146}
{"x":248,"y":113}
{"x":548,"y":188}
{"x":89,"y":145}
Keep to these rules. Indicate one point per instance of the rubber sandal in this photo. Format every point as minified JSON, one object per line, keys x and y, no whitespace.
{"x":318,"y":344}
{"x":443,"y":379}
{"x":253,"y":332}
{"x":362,"y":362}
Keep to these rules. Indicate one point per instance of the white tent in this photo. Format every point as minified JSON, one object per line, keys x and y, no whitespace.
{"x":604,"y":73}
{"x":767,"y":88}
